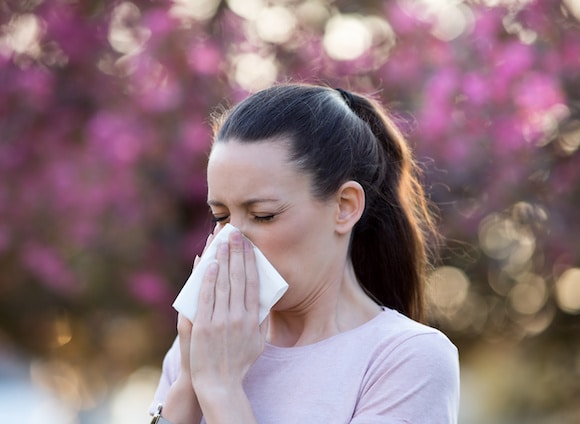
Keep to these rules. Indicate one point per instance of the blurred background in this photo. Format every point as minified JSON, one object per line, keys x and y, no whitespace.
{"x":104,"y":135}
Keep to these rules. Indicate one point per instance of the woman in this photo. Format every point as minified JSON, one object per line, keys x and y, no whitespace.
{"x":321,"y":181}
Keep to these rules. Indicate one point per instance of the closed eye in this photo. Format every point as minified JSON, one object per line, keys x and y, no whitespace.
{"x":265,"y":218}
{"x":216,"y":219}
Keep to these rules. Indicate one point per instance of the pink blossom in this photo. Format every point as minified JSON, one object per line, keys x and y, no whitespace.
{"x":488,"y":24}
{"x":402,"y":22}
{"x":153,"y":86}
{"x":74,"y":33}
{"x":537,"y":91}
{"x":35,"y":86}
{"x":507,"y":134}
{"x":570,"y":54}
{"x":149,"y":288}
{"x":195,"y":135}
{"x":458,"y":151}
{"x":434,"y":121}
{"x":476,"y":88}
{"x":115,"y":137}
{"x":50,"y":269}
{"x":205,"y":58}
{"x":102,"y":155}
{"x":512,"y":60}
{"x":160,"y":23}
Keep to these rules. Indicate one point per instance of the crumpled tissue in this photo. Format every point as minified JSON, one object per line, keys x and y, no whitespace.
{"x":272,"y":285}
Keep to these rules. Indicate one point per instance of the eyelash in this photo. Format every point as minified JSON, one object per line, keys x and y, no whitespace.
{"x":216,"y":219}
{"x":266,"y":218}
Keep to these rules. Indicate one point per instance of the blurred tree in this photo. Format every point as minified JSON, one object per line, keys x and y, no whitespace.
{"x":104,"y":135}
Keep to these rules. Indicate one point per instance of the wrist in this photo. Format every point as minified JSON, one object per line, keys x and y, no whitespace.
{"x":211,"y":391}
{"x":227,"y":403}
{"x":181,"y":405}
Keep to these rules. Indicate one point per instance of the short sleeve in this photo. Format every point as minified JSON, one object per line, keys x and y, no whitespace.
{"x":169,"y":373}
{"x":416,"y":382}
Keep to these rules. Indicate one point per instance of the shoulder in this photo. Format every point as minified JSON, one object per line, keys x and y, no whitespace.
{"x":409,"y":349}
{"x":412,"y":373}
{"x":395,"y":330}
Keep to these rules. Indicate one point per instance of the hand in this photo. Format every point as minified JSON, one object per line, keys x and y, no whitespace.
{"x":225,"y":338}
{"x":181,"y":404}
{"x":183,"y":324}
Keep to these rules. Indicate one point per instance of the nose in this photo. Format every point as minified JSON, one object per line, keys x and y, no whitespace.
{"x":240,"y":221}
{"x":237,"y":221}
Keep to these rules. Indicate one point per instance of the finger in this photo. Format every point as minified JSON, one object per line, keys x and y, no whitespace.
{"x":222,"y":284}
{"x":206,"y":301}
{"x":237,"y":274}
{"x":252,"y":280}
{"x":196,"y":260}
{"x":184,"y":333}
{"x":183,"y":325}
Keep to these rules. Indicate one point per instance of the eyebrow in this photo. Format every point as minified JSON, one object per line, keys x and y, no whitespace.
{"x":249,"y":202}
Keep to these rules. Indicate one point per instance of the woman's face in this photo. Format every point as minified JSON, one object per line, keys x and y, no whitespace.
{"x":253,"y":187}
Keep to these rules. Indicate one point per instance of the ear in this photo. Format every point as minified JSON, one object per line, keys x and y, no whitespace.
{"x":350,"y":199}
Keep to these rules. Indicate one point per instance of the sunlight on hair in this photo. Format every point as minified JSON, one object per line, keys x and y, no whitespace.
{"x":131,"y":403}
{"x":275,"y":24}
{"x":200,"y":10}
{"x":254,"y":72}
{"x":125,"y":35}
{"x":346,"y":37}
{"x":568,"y":291}
{"x":22,"y":35}
{"x":248,"y":9}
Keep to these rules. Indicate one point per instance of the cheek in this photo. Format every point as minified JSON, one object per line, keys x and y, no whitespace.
{"x":283,"y":249}
{"x":292,"y":249}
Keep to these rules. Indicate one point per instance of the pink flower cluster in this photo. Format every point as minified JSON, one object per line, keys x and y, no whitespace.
{"x":104,"y":129}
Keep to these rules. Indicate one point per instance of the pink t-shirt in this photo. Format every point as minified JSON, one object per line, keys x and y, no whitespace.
{"x":389,"y":370}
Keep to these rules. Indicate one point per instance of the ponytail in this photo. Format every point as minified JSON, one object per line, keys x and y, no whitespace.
{"x":389,"y":245}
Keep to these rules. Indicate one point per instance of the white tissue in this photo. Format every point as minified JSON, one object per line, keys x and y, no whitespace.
{"x":272,"y":285}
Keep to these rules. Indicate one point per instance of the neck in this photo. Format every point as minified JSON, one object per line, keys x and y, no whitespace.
{"x":334,"y":309}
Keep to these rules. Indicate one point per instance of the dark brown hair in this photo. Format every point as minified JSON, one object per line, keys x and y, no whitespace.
{"x":337,"y":136}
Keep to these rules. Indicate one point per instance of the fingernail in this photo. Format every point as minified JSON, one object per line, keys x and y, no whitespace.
{"x":237,"y":237}
{"x":212,"y":269}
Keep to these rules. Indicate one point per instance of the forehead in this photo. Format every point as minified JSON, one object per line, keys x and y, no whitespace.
{"x":252,"y":169}
{"x":235,"y":152}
